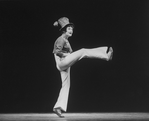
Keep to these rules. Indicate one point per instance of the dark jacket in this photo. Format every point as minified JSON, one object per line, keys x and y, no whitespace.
{"x":61,"y":46}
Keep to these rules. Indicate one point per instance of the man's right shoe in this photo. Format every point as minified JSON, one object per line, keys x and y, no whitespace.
{"x":58,"y":112}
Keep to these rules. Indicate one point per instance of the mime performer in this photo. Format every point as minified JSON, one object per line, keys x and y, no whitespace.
{"x":65,"y":58}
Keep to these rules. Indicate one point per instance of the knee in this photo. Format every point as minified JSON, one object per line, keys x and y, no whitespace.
{"x":83,"y":50}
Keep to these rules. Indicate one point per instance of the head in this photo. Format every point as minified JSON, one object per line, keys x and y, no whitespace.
{"x":68,"y":30}
{"x":66,"y":26}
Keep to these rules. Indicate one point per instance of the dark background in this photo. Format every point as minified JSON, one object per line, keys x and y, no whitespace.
{"x":29,"y":80}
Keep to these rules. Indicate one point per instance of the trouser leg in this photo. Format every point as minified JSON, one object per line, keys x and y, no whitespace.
{"x":64,"y":92}
{"x":100,"y":53}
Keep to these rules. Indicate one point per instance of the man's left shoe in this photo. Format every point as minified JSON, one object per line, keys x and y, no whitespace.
{"x":110,"y":53}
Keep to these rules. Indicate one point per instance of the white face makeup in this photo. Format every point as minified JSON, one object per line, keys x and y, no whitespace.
{"x":69,"y":31}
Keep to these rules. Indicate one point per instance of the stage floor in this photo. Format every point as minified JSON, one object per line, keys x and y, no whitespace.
{"x":76,"y":117}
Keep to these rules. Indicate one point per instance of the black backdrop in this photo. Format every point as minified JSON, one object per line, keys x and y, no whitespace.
{"x":29,"y":80}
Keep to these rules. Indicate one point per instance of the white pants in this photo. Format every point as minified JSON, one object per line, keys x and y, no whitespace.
{"x":64,"y":64}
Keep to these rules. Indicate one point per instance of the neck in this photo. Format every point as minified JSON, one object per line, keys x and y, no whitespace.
{"x":65,"y":36}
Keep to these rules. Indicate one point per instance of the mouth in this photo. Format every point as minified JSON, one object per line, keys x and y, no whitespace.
{"x":70,"y":33}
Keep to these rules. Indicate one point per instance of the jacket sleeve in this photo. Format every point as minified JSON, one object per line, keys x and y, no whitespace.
{"x":59,"y":46}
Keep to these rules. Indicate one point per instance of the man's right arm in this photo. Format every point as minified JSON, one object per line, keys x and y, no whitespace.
{"x":59,"y":46}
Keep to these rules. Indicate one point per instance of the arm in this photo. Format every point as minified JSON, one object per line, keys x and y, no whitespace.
{"x":62,"y":48}
{"x":58,"y":47}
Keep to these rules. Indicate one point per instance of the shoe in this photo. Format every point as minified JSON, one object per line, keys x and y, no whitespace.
{"x":111,"y":53}
{"x":58,"y":112}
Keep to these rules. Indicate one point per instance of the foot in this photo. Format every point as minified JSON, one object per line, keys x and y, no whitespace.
{"x":58,"y":112}
{"x":110,"y":53}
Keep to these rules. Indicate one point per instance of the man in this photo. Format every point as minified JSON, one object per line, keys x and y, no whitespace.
{"x":65,"y":58}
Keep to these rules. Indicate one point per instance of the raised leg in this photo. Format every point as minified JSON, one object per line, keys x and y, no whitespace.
{"x":100,"y":53}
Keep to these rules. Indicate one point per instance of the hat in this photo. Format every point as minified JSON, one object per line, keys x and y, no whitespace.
{"x":63,"y":22}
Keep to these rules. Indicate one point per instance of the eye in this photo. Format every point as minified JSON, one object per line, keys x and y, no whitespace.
{"x":69,"y":29}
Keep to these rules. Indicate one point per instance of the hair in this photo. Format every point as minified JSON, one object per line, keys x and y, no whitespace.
{"x":63,"y":30}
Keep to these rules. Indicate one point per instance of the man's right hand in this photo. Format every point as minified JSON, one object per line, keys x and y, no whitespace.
{"x":65,"y":54}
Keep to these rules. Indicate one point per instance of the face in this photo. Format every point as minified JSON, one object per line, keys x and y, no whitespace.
{"x":69,"y":31}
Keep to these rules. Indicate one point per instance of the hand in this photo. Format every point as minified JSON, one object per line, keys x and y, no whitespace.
{"x":65,"y":54}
